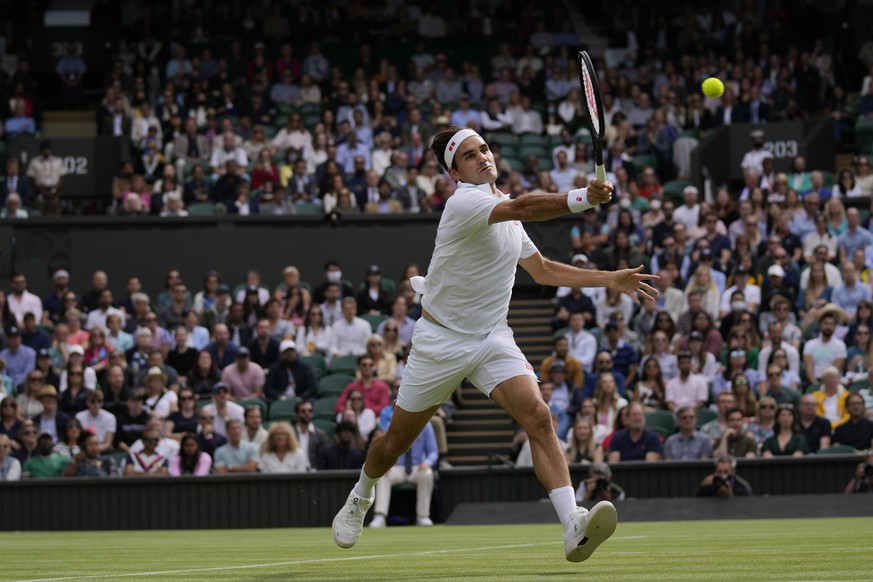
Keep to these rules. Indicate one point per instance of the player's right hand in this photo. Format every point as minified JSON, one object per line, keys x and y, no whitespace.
{"x":600,"y":191}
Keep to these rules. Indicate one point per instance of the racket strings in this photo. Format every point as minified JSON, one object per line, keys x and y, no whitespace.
{"x":590,"y":101}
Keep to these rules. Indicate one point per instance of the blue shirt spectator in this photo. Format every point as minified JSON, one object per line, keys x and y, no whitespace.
{"x":20,"y":359}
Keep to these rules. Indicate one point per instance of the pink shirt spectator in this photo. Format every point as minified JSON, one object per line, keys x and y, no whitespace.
{"x":243,"y":384}
{"x":376,"y":397}
{"x":204,"y":464}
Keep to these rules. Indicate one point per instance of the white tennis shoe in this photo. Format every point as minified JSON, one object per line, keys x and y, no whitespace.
{"x":349,"y":522}
{"x":589,"y":529}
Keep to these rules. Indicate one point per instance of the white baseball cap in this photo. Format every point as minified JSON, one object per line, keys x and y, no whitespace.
{"x":287,"y":345}
{"x":776,"y":271}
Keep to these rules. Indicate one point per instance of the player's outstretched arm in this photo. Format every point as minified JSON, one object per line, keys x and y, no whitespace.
{"x":631,"y":282}
{"x":538,"y":207}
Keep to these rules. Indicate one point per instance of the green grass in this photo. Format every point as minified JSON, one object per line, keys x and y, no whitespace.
{"x":785,"y":549}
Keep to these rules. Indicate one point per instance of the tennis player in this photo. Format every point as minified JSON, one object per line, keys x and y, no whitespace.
{"x":463,"y":331}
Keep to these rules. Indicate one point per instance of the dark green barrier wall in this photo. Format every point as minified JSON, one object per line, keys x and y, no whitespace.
{"x":312,"y":499}
{"x":148,"y":247}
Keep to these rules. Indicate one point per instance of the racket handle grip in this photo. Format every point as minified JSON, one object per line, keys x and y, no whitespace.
{"x":600,"y":171}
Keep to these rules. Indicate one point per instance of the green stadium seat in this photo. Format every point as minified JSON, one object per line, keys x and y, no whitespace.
{"x":509,"y":150}
{"x":255,"y":402}
{"x":643,"y":160}
{"x":328,"y":426}
{"x":661,"y":420}
{"x":705,"y":415}
{"x":864,"y":133}
{"x":673,"y":190}
{"x":202,"y":209}
{"x":308,"y":208}
{"x":560,"y":332}
{"x":533,"y":150}
{"x":344,"y":365}
{"x":334,"y":384}
{"x":859,"y":385}
{"x":283,"y":410}
{"x":533,"y":139}
{"x":317,"y":363}
{"x":323,"y":407}
{"x":504,"y":139}
{"x":373,"y":320}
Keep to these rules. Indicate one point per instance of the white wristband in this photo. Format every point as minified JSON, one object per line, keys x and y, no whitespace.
{"x":577,"y":200}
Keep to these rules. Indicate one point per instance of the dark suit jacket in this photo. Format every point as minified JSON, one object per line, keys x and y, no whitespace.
{"x":23,"y":189}
{"x":306,"y":385}
{"x":266,"y":358}
{"x":317,"y":441}
{"x":61,"y":419}
{"x":739,"y":114}
{"x":333,"y":457}
{"x":107,"y":126}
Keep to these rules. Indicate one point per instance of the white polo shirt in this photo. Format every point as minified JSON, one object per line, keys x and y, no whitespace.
{"x":104,"y":422}
{"x":472,"y":271}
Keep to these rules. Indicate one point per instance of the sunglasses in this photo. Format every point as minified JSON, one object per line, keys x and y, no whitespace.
{"x":741,"y":383}
{"x":687,"y":417}
{"x":29,"y":432}
{"x":149,"y":440}
{"x":356,"y":398}
{"x":75,"y":373}
{"x":774,"y":374}
{"x":768,"y":407}
{"x":37,"y":379}
{"x":185,"y":398}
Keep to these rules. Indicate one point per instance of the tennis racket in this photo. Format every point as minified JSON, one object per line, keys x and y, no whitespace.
{"x":594,"y":105}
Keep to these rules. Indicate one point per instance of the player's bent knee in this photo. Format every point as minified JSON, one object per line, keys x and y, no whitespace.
{"x":538,"y":422}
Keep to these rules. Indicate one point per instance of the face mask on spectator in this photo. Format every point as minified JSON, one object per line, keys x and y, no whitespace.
{"x":738,"y":305}
{"x":334,"y":276}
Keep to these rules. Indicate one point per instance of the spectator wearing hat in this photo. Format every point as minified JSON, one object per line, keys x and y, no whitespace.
{"x":132,"y":421}
{"x":373,"y":299}
{"x":561,"y":353}
{"x":45,"y":464}
{"x":244,"y":377}
{"x":290,"y":377}
{"x":97,"y":421}
{"x":51,"y":420}
{"x":160,"y":400}
{"x":222,"y":408}
{"x":687,"y":389}
{"x":45,"y":364}
{"x":20,"y":359}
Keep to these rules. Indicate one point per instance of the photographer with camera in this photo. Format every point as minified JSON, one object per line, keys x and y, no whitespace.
{"x":862,"y":482}
{"x":599,"y":486}
{"x":724,"y":482}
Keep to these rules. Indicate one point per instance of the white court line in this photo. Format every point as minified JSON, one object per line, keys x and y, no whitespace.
{"x":293,"y":563}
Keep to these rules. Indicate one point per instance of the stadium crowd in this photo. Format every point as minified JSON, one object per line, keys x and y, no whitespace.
{"x":759,"y":343}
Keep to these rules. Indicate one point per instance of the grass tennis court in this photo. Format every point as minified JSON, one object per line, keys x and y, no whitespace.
{"x":786,"y":549}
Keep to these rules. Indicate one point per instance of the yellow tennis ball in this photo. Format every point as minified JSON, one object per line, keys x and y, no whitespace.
{"x":713,"y":87}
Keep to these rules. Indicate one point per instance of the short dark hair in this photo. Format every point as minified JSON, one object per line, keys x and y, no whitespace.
{"x":733,"y":410}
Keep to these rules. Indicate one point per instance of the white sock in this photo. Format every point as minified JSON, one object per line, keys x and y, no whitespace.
{"x":564,"y":500}
{"x":364,"y":486}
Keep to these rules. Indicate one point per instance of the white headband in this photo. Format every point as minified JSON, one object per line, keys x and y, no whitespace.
{"x":453,"y":144}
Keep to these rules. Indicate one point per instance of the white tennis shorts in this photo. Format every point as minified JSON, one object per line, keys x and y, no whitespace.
{"x":441,"y":358}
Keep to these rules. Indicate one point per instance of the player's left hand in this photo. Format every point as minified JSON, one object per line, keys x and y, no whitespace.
{"x":600,"y":191}
{"x":630,"y":281}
